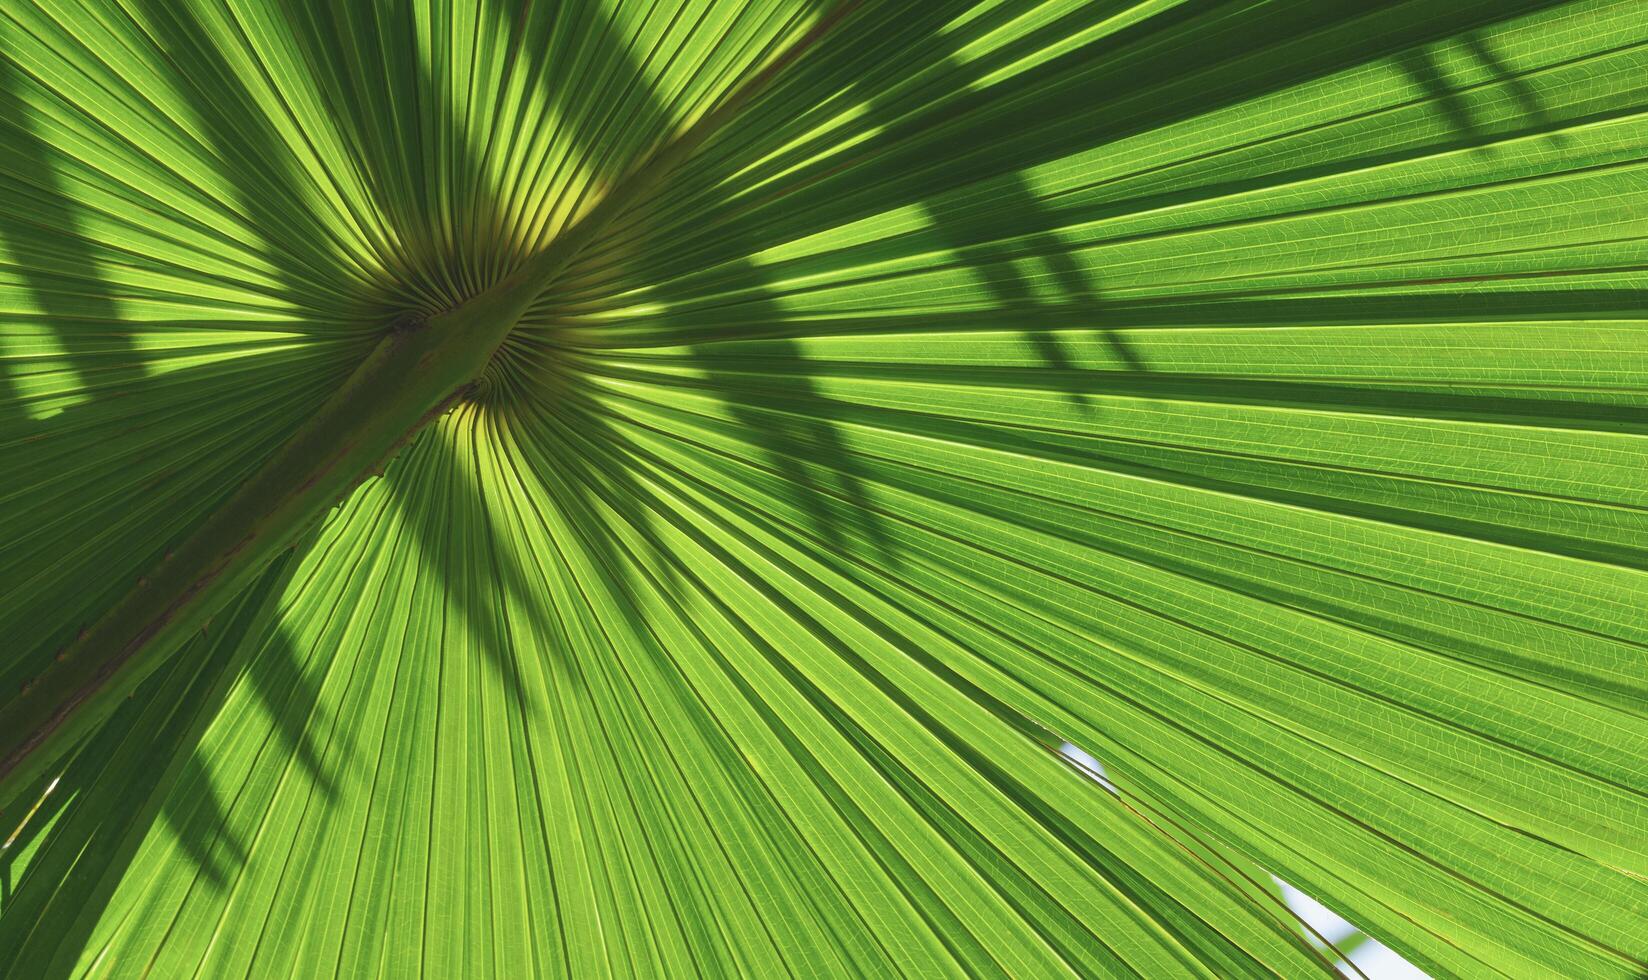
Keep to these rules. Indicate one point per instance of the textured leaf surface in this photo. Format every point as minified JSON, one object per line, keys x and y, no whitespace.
{"x":1248,"y":393}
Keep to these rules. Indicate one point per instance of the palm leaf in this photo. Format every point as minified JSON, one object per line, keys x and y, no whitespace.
{"x":648,"y":489}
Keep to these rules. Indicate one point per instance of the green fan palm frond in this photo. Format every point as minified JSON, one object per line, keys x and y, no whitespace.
{"x":497,"y":488}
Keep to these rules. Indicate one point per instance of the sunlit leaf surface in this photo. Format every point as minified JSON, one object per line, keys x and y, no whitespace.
{"x":1250,"y":393}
